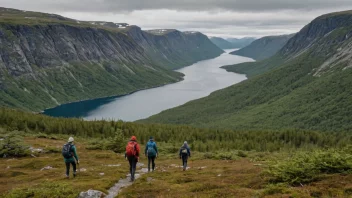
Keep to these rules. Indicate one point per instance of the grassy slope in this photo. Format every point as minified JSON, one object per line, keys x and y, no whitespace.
{"x":287,"y":97}
{"x":242,"y":177}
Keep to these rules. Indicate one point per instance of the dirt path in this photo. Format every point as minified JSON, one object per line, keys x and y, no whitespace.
{"x":122,"y":183}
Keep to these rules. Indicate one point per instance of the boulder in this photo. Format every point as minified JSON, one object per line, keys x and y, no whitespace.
{"x":91,"y":194}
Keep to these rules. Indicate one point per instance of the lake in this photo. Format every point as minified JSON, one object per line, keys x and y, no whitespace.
{"x":200,"y":80}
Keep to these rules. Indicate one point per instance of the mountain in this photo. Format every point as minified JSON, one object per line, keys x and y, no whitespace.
{"x":241,"y":42}
{"x":47,"y":59}
{"x":264,"y":47}
{"x":306,"y":85}
{"x":173,"y":49}
{"x":222,"y":43}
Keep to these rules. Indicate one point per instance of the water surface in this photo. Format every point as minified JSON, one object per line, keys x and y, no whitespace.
{"x":200,"y":80}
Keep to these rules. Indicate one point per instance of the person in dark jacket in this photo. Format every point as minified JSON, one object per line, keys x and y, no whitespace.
{"x":185,"y":153}
{"x":132,"y":155}
{"x":151,"y":151}
{"x":71,"y":160}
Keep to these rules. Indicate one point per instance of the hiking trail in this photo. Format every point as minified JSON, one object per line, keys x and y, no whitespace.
{"x":122,"y":183}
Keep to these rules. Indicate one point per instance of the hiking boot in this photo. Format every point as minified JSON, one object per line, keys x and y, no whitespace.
{"x":74,"y":175}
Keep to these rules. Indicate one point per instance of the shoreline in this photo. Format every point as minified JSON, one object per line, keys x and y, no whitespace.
{"x":121,"y":95}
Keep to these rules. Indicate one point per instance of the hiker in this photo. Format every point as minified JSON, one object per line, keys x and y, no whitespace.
{"x":151,"y":151}
{"x":185,"y":152}
{"x":132,"y":155}
{"x":70,"y":155}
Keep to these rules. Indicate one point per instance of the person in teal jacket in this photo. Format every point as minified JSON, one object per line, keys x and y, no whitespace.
{"x":72,"y":158}
{"x":151,"y":151}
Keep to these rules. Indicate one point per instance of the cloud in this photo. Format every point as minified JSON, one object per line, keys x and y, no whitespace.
{"x":226,"y":18}
{"x":190,"y":5}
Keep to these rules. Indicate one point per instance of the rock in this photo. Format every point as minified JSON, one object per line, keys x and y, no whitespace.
{"x":35,"y":150}
{"x":101,"y":174}
{"x":1,"y":139}
{"x":113,"y":165}
{"x":140,"y":164}
{"x":82,"y":169}
{"x":219,"y":175}
{"x":91,"y":194}
{"x":143,"y":170}
{"x":8,"y":167}
{"x":149,"y":179}
{"x":46,"y":168}
{"x":33,"y":155}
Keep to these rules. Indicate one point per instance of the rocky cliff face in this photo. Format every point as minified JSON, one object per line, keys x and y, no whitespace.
{"x":316,"y":30}
{"x":26,"y":48}
{"x":46,"y":60}
{"x":174,"y":49}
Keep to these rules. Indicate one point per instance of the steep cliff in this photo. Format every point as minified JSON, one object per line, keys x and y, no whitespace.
{"x":263,"y":48}
{"x":306,"y":85}
{"x":46,"y":59}
{"x":222,"y":43}
{"x":174,"y":49}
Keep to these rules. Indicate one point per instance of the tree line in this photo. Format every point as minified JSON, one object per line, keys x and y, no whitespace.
{"x":200,"y":139}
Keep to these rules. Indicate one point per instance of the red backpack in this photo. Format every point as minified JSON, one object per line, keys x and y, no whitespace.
{"x":131,"y":149}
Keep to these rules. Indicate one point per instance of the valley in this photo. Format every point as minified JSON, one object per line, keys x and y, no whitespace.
{"x":279,"y":126}
{"x":200,"y":79}
{"x":305,"y":85}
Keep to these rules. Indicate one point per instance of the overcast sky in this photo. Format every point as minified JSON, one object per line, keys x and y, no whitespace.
{"x":226,"y":18}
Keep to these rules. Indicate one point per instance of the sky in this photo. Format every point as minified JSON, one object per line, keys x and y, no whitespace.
{"x":224,"y":18}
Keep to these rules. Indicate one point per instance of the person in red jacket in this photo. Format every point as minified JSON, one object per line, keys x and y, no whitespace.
{"x":132,"y":155}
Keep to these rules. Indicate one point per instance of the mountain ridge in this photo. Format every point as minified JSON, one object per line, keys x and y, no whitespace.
{"x":47,"y":59}
{"x":306,"y":85}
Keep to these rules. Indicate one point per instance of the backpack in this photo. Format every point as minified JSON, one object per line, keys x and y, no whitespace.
{"x":131,"y":149}
{"x":66,"y":151}
{"x":184,"y":151}
{"x":151,"y":151}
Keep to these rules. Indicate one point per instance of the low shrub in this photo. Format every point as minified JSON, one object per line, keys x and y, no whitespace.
{"x":12,"y":145}
{"x":305,"y":167}
{"x":273,"y":189}
{"x":116,"y":144}
{"x":47,"y":189}
{"x":242,"y":154}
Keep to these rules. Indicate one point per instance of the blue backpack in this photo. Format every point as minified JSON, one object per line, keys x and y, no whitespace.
{"x":151,"y":152}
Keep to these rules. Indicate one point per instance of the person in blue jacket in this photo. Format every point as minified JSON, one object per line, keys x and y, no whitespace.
{"x":185,"y":153}
{"x":151,"y":151}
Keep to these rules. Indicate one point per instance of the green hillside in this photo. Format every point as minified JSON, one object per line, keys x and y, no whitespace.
{"x":305,"y":85}
{"x":47,"y":60}
{"x":263,"y":48}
